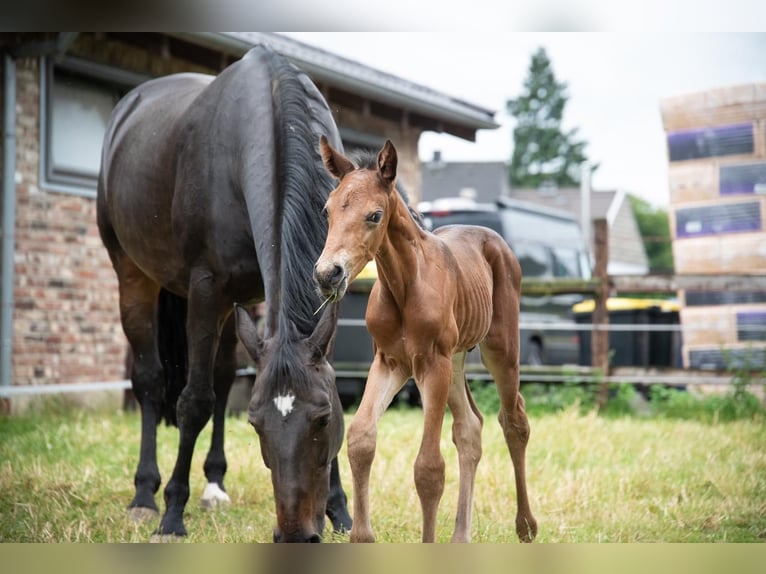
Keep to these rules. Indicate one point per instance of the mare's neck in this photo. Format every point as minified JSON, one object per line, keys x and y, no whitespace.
{"x":400,"y":254}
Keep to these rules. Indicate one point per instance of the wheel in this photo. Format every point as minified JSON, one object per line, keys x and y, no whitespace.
{"x":535,"y":354}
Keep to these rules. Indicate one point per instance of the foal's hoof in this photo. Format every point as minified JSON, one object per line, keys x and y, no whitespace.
{"x":139,"y":514}
{"x":166,"y":538}
{"x":526,"y":528}
{"x":214,"y":496}
{"x":361,"y":537}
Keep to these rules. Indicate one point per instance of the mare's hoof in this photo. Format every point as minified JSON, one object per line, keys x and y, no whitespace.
{"x":214,"y":497}
{"x":166,"y":538}
{"x":141,"y":514}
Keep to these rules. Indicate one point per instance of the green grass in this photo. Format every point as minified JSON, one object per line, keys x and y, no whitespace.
{"x":66,"y":476}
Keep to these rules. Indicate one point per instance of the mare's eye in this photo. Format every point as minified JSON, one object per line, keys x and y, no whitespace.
{"x":375,"y":217}
{"x":323,"y":421}
{"x":324,"y":212}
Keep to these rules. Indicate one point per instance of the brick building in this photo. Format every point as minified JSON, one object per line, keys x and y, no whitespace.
{"x":59,"y":299}
{"x":716,"y":143}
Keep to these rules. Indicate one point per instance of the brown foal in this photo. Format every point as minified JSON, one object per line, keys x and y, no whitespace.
{"x":437,"y":296}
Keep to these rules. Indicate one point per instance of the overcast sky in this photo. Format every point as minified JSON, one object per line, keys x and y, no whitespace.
{"x":615,"y":83}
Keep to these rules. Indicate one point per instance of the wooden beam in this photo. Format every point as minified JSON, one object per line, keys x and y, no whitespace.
{"x":600,"y":337}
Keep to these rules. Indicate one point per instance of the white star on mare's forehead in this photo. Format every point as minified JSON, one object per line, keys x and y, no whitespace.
{"x":284,"y":403}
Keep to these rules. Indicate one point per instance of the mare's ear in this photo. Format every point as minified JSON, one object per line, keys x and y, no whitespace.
{"x":323,"y":337}
{"x":334,"y":161}
{"x":387,"y":161}
{"x":247,"y":331}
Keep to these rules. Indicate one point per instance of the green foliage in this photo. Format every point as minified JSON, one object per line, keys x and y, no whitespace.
{"x":624,"y":400}
{"x":655,"y":233}
{"x":543,"y":154}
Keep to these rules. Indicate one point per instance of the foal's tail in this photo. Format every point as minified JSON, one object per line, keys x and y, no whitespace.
{"x":174,"y":353}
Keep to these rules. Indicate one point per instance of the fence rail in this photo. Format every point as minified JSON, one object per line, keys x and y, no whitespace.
{"x":601,"y":286}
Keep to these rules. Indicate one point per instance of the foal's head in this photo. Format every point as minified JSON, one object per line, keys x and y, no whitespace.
{"x":358,"y":212}
{"x":297,"y":414}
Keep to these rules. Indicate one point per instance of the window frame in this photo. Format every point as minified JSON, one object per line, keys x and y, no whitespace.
{"x":121,"y":81}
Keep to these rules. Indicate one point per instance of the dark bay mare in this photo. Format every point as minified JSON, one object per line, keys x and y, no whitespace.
{"x":208,"y":197}
{"x":437,"y":296}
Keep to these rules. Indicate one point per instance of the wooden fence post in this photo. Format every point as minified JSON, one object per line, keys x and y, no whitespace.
{"x":600,"y":336}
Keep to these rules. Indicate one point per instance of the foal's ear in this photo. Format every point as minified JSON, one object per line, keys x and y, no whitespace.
{"x":335,"y":162}
{"x":323,"y":337}
{"x":387,"y":161}
{"x":247,"y":331}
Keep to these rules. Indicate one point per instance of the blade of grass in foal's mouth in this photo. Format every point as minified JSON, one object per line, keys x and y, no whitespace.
{"x":330,"y":297}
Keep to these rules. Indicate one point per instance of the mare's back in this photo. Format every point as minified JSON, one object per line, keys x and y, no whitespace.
{"x":137,"y":172}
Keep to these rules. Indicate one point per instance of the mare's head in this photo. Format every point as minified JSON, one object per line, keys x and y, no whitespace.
{"x":297,"y":414}
{"x":358,"y":211}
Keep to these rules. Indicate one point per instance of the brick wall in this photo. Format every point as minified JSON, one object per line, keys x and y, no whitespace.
{"x":66,"y":322}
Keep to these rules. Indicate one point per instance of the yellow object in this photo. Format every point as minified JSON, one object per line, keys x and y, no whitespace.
{"x":369,"y":271}
{"x":628,"y":304}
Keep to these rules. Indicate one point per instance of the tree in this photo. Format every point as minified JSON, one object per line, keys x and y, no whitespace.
{"x":543,"y":154}
{"x":655,"y":233}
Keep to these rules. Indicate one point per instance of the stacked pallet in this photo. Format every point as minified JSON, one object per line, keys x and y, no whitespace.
{"x":716,"y":143}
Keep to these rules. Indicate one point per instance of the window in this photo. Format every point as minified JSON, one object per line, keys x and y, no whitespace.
{"x":566,"y":263}
{"x":534,"y":259}
{"x":76,"y":100}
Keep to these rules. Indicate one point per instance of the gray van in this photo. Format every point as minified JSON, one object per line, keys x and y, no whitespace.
{"x":549,"y":244}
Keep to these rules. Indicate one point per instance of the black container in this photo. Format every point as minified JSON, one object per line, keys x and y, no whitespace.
{"x":635,"y":348}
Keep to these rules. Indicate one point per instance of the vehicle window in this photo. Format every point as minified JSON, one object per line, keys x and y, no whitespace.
{"x":485,"y":219}
{"x":530,"y":226}
{"x":534,"y":259}
{"x":565,"y":262}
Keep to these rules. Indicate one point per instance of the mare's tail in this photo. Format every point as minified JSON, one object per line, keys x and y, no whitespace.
{"x":173,"y":349}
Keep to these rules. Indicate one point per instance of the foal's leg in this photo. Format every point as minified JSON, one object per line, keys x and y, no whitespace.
{"x":434,"y":376}
{"x":195,"y":405}
{"x":502,"y":362}
{"x":466,"y":434}
{"x":215,"y":463}
{"x":381,"y":388}
{"x":138,"y":312}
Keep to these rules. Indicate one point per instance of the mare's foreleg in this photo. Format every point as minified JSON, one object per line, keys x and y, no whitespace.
{"x":337,"y":502}
{"x":381,"y":388}
{"x":215,"y":463}
{"x":466,"y":434}
{"x":195,"y":405}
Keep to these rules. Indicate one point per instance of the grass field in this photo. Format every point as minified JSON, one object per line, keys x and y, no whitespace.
{"x":67,"y":476}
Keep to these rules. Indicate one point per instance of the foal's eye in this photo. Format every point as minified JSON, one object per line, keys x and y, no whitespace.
{"x":324,"y":212}
{"x":375,"y":217}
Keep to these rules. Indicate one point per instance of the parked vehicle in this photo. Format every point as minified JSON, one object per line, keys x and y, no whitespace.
{"x":548,"y":243}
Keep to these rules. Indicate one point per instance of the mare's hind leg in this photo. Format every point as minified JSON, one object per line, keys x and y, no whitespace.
{"x":195,"y":405}
{"x":138,"y":312}
{"x":215,"y":463}
{"x":466,"y":434}
{"x":501,"y":357}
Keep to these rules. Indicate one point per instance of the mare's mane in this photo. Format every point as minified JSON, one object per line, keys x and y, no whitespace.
{"x":302,"y":191}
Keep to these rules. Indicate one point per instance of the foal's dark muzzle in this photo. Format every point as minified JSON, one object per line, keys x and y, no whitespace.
{"x":328,"y":278}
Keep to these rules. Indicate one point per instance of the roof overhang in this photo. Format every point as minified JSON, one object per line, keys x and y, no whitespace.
{"x":444,"y":112}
